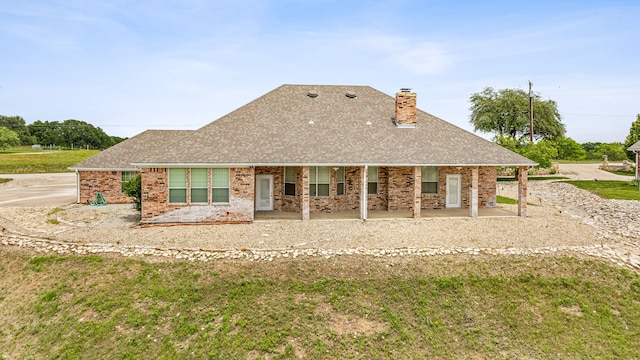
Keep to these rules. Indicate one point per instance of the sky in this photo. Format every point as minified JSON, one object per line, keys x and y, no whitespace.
{"x":127,"y":66}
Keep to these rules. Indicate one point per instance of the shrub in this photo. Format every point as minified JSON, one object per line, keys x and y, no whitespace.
{"x":133,"y":188}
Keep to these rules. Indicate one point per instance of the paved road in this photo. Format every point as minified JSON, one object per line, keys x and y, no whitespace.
{"x":60,"y":189}
{"x":38,"y":190}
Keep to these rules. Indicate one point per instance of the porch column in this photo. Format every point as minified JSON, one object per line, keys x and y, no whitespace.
{"x":522,"y":191}
{"x":417,"y":191}
{"x":473,"y":193}
{"x":364,"y":191}
{"x":305,"y":193}
{"x":637,"y":165}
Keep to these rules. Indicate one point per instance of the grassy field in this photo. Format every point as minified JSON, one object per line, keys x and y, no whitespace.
{"x":95,"y":307}
{"x":18,"y":161}
{"x":610,"y":189}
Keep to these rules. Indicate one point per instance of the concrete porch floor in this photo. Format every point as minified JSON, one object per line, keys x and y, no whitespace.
{"x":382,"y":214}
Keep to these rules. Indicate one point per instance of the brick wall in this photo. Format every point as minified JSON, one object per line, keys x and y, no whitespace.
{"x":106,"y":182}
{"x":157,"y":210}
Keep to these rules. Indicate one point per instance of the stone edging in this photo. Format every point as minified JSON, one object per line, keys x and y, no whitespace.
{"x":631,"y":261}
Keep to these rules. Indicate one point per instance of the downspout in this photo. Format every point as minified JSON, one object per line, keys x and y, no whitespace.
{"x":78,"y":185}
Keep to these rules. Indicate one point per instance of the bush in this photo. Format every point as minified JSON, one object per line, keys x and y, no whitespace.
{"x":133,"y":188}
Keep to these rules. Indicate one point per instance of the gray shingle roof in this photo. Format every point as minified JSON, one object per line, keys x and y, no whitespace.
{"x":635,"y":147}
{"x":287,"y":127}
{"x":123,"y":154}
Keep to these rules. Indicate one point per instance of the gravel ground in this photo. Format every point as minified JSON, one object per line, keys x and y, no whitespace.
{"x":547,"y":225}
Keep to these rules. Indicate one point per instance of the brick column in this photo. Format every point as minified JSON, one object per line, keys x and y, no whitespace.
{"x":364,"y":191}
{"x":473,"y":193}
{"x":522,"y":191}
{"x":305,"y":193}
{"x":417,"y":191}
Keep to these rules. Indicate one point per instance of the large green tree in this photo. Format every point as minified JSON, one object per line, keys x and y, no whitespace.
{"x":505,"y":113}
{"x":18,"y":125}
{"x":8,"y":138}
{"x":71,"y":133}
{"x":633,"y":137}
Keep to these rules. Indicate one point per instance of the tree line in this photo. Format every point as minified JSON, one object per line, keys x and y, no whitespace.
{"x":67,"y":134}
{"x":505,"y":113}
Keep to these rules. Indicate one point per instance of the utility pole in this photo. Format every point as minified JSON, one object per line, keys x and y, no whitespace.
{"x":530,"y":112}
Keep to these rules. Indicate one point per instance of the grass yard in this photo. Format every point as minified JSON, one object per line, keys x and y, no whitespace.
{"x":610,"y":189}
{"x":95,"y":307}
{"x":18,"y":162}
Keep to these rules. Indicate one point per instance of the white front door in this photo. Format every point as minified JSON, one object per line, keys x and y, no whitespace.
{"x":264,"y":192}
{"x":453,"y":190}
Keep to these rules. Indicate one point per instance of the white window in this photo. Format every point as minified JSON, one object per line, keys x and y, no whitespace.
{"x":429,"y":179}
{"x":319,"y":181}
{"x":290,"y":180}
{"x":199,"y":185}
{"x":340,"y":181}
{"x":125,"y":177}
{"x":178,"y":186}
{"x":220,"y":185}
{"x":372,"y":176}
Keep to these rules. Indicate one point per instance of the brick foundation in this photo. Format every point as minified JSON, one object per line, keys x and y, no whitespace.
{"x":106,"y":182}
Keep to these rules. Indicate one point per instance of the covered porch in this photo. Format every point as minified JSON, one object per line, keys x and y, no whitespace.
{"x":398,"y":193}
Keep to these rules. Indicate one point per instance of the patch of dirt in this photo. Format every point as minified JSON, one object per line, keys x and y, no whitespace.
{"x":572,"y":310}
{"x":343,"y":324}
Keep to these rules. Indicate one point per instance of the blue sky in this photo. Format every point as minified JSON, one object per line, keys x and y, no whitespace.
{"x":127,"y":66}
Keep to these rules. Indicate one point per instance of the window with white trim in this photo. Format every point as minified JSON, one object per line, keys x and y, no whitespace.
{"x":319,"y":181}
{"x":199,"y":185}
{"x":290,"y":180}
{"x":177,"y":186}
{"x":372,"y":180}
{"x":125,"y":176}
{"x":220,"y":185}
{"x":429,"y":179}
{"x":340,"y":181}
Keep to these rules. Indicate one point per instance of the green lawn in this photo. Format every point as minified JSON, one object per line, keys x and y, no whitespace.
{"x":21,"y":162}
{"x":505,"y":200}
{"x":610,"y":189}
{"x":95,"y":307}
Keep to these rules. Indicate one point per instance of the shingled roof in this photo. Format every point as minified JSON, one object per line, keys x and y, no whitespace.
{"x":635,"y":147}
{"x":330,"y":125}
{"x":123,"y":154}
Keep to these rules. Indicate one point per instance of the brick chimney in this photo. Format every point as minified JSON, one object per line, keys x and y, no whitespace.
{"x":406,"y":108}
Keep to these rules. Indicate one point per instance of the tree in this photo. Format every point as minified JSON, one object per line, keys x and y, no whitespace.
{"x":133,"y":188}
{"x":71,"y":133}
{"x":569,"y":149}
{"x":633,"y":137}
{"x":8,"y":138}
{"x":17,"y":125}
{"x":506,"y":113}
{"x":614,"y":151}
{"x":542,"y":152}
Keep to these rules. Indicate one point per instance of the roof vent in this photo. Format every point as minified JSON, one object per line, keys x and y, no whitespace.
{"x":311,"y":122}
{"x":350,"y":94}
{"x":312,"y":94}
{"x":405,"y":89}
{"x":368,"y":122}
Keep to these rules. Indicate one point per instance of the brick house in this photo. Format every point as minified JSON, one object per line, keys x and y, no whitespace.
{"x":636,"y":149}
{"x":306,"y":149}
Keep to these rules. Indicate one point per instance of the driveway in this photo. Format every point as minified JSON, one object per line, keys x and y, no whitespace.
{"x":589,"y":172}
{"x":27,"y":190}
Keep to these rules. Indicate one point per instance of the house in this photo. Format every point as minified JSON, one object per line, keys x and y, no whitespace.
{"x":306,"y":149}
{"x":636,"y":149}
